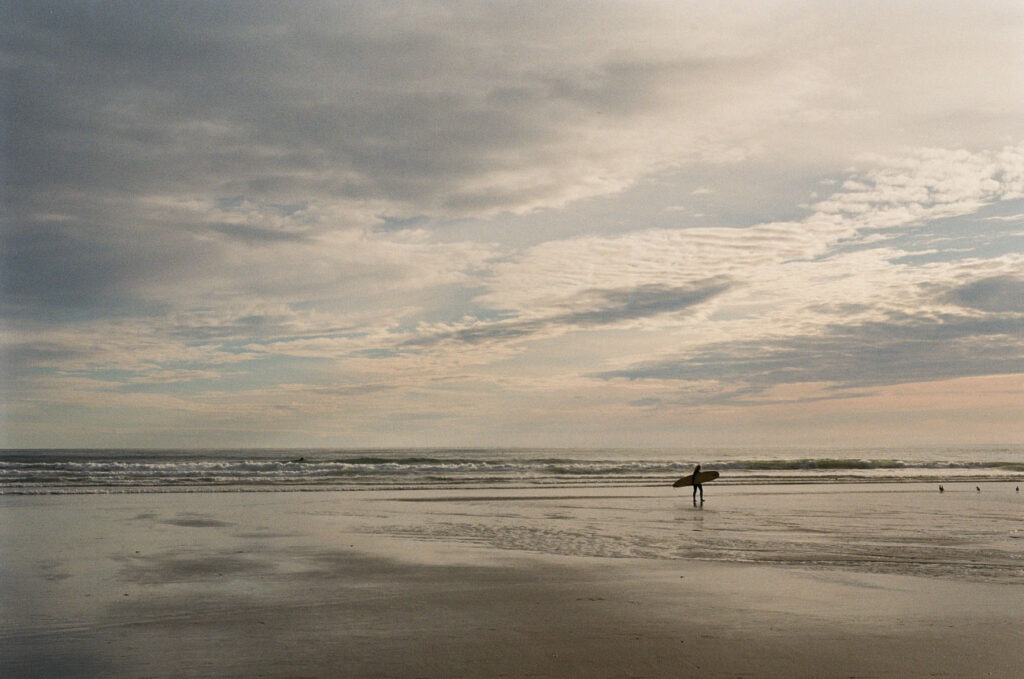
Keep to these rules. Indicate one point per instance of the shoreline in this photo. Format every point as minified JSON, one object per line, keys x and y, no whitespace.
{"x":952,"y":484}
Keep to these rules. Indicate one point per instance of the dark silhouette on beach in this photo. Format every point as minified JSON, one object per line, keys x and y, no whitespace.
{"x":697,"y":486}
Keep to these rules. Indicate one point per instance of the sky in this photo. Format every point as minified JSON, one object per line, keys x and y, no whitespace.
{"x":603,"y":224}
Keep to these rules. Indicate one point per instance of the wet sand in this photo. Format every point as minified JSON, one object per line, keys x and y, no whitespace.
{"x":359,"y":585}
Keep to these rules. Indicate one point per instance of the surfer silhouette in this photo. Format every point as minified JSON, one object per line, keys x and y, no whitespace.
{"x":697,"y":486}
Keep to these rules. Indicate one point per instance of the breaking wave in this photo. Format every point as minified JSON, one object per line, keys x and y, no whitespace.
{"x":96,"y":471}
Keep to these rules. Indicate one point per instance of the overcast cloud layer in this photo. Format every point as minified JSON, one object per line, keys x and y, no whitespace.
{"x":475,"y":223}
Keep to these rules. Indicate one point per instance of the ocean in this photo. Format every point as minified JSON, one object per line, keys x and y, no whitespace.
{"x":98,"y":471}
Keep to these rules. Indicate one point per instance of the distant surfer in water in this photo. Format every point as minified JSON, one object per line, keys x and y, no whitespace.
{"x":697,"y":486}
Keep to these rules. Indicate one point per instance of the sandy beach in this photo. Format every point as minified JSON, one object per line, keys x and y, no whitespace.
{"x":545,"y":583}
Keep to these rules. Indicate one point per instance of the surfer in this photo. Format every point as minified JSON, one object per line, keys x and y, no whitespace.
{"x":697,"y":486}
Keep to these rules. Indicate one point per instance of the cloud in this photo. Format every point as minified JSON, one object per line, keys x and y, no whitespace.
{"x":592,"y":308}
{"x":819,"y":300}
{"x":998,"y":294}
{"x":417,"y":107}
{"x":928,"y":184}
{"x":1007,"y":218}
{"x":900,"y":350}
{"x":267,"y":198}
{"x":461,"y":108}
{"x":149,"y":150}
{"x":901,"y":193}
{"x":23,"y":361}
{"x":48,"y":270}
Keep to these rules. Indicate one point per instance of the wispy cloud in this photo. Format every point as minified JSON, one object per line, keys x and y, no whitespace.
{"x":1007,"y":218}
{"x":895,"y":351}
{"x":592,"y":308}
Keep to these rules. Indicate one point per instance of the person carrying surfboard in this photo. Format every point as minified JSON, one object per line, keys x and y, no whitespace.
{"x":697,"y":479}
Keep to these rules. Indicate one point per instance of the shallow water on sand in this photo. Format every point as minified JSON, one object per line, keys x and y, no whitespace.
{"x":93,"y":584}
{"x":902,"y":529}
{"x":61,"y":551}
